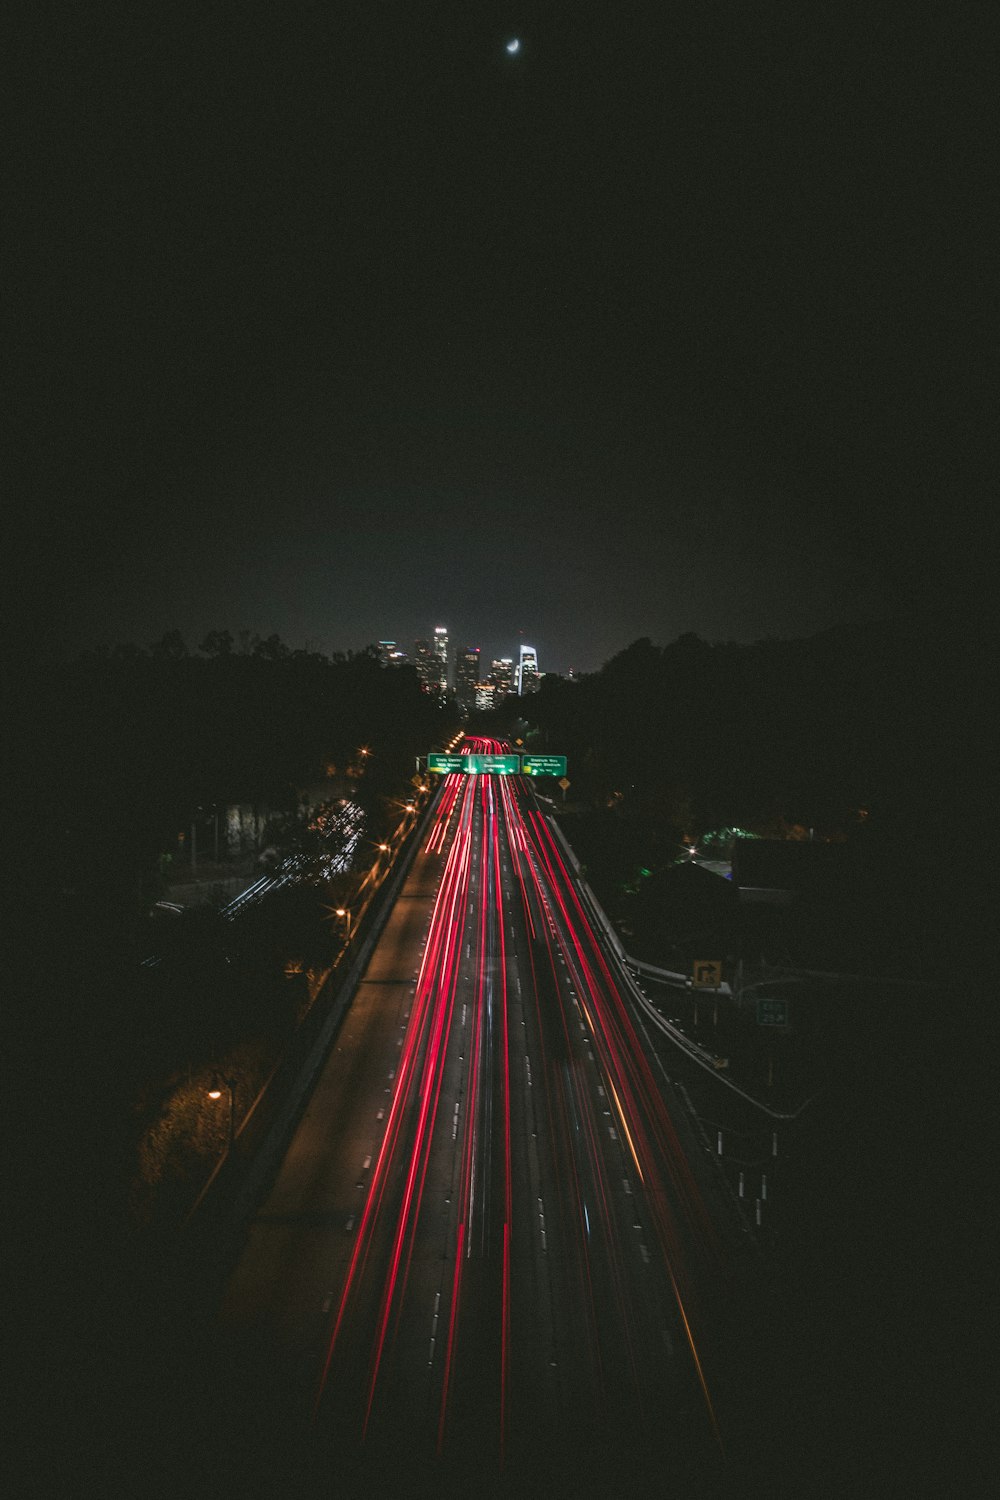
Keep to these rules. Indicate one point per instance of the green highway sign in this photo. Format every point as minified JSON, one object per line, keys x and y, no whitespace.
{"x":772,"y":1012}
{"x":501,"y":765}
{"x":544,"y":765}
{"x":445,"y":762}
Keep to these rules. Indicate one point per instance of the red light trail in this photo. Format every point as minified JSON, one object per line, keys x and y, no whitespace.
{"x":457,"y":1055}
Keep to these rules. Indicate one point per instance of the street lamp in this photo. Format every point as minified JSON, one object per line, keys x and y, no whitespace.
{"x":216,"y":1093}
{"x":342,"y":911}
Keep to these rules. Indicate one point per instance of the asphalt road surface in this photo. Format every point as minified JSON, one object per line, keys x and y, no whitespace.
{"x":495,"y":1259}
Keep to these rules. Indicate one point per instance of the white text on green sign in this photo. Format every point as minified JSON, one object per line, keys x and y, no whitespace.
{"x":501,"y":765}
{"x":772,"y":1012}
{"x":445,"y":762}
{"x":544,"y":765}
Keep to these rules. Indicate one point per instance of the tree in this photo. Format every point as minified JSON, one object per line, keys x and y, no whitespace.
{"x":273,"y":649}
{"x":217,"y":643}
{"x":170,"y":647}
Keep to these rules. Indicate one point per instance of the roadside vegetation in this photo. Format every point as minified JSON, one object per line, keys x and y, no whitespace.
{"x":125,"y":749}
{"x":858,"y":736}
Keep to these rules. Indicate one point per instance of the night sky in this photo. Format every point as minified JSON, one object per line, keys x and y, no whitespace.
{"x":340,"y":321}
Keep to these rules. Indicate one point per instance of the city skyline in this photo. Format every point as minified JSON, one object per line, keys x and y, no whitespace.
{"x":596,"y":341}
{"x":476,"y":679}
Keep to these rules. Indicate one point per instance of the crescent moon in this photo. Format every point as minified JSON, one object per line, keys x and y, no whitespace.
{"x":513,"y":46}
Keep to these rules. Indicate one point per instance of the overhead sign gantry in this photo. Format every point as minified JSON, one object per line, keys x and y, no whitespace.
{"x":498,"y":765}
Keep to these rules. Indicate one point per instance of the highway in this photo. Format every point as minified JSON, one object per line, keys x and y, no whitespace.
{"x":491,"y":1258}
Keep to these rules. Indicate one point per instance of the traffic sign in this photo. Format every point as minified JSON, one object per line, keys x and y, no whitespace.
{"x":564,"y":783}
{"x":771,"y":1012}
{"x":475,"y":765}
{"x":706,"y":973}
{"x":543,"y":765}
{"x":445,"y":762}
{"x":497,"y":765}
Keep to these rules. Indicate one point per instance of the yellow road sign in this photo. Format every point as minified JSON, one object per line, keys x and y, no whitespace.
{"x":706,"y":973}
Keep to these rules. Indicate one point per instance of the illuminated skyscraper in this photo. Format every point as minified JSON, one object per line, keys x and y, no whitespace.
{"x":467,"y":676}
{"x":441,"y":653}
{"x":390,"y":655}
{"x":502,"y":677}
{"x":426,"y":664}
{"x":527,"y":671}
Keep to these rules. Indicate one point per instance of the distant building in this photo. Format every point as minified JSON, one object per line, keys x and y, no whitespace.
{"x":390,"y":655}
{"x":441,"y":654}
{"x":486,"y":695}
{"x":427,"y":666}
{"x":467,"y":676}
{"x":501,"y":675}
{"x":527,"y":671}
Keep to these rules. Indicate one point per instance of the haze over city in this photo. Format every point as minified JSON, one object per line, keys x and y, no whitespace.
{"x":332,"y":327}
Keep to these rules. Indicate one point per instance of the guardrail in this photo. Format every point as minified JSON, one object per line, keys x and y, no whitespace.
{"x":630,"y":967}
{"x":242,"y":1175}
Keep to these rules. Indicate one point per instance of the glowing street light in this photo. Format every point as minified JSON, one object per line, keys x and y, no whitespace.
{"x":342,"y":911}
{"x":216,"y":1093}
